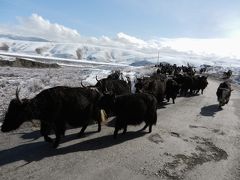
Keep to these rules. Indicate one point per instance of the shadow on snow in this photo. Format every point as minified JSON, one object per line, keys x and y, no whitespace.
{"x":210,"y":110}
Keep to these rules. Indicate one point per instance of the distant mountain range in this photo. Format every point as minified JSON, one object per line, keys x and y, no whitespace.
{"x":22,"y":38}
{"x":110,"y":52}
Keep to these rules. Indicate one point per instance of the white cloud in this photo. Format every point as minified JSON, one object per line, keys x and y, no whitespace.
{"x":124,"y":38}
{"x":36,"y":25}
{"x":232,"y":28}
{"x":221,"y":47}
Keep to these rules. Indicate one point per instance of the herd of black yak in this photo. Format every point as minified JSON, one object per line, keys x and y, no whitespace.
{"x":112,"y":96}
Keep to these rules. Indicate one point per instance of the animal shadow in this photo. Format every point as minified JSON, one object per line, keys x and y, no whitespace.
{"x":210,"y":110}
{"x":163,"y":104}
{"x":36,"y":151}
{"x":32,"y":136}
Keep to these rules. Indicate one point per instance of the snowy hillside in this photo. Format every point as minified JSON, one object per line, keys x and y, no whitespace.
{"x":122,"y":50}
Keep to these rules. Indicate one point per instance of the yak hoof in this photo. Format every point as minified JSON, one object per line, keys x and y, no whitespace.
{"x":150,"y":129}
{"x":48,"y":139}
{"x":55,"y":145}
{"x":115,"y":135}
{"x":80,"y":134}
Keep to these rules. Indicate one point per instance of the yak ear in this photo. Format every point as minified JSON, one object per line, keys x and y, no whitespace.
{"x":109,"y":93}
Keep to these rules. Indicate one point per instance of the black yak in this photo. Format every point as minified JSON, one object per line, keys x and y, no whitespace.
{"x":172,"y":90}
{"x":199,"y":83}
{"x":155,"y":85}
{"x":131,"y":109}
{"x":227,"y":75}
{"x":185,"y":82}
{"x":223,"y":93}
{"x":116,"y":86}
{"x":191,"y":84}
{"x":55,"y":108}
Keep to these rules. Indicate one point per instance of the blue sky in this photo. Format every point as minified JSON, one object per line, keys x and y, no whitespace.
{"x":144,"y":19}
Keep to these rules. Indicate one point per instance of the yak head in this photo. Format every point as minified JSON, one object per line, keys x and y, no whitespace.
{"x":17,"y":113}
{"x":139,"y":85}
{"x":203,"y":81}
{"x":101,"y":85}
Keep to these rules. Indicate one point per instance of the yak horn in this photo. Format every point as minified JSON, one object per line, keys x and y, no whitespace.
{"x":17,"y":94}
{"x":82,"y":85}
{"x":97,"y":79}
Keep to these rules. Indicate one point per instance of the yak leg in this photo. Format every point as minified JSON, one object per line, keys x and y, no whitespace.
{"x":197,"y":91}
{"x":118,"y":126}
{"x":220,"y":104}
{"x":145,"y":127}
{"x":99,"y":120}
{"x":82,"y":130}
{"x":59,"y":130}
{"x":45,"y":130}
{"x":150,"y":128}
{"x":125,"y":129}
{"x":167,"y":99}
{"x":173,"y":100}
{"x":57,"y":140}
{"x":115,"y":132}
{"x":99,"y":126}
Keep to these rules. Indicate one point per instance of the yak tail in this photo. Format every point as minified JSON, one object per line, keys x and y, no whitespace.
{"x":103,"y":116}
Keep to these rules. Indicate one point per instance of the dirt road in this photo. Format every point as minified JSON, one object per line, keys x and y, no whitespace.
{"x":193,"y":139}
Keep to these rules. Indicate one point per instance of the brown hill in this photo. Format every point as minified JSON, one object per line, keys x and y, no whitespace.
{"x":19,"y":62}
